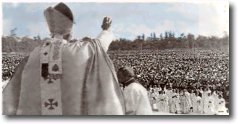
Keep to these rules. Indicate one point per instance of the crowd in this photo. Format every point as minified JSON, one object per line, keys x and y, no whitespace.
{"x":183,"y":71}
{"x":9,"y":63}
{"x":192,"y":101}
{"x":179,"y":69}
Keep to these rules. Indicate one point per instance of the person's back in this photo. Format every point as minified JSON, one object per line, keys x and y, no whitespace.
{"x":135,"y":95}
{"x":61,"y":78}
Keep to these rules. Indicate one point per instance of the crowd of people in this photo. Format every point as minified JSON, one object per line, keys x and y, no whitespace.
{"x":9,"y":64}
{"x":179,"y":69}
{"x":182,"y":101}
{"x":171,"y":76}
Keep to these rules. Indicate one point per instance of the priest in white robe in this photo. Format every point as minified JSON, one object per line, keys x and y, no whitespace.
{"x":135,"y":95}
{"x":216,"y":97}
{"x":221,"y":106}
{"x":163,"y":105}
{"x":205,"y":98}
{"x":62,"y":78}
{"x":185,"y":102}
{"x":169,"y":94}
{"x":153,"y":96}
{"x":209,"y":105}
{"x":193,"y":100}
{"x":175,"y":104}
{"x":197,"y":103}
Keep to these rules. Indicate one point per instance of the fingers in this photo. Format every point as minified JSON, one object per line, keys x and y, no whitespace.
{"x":106,"y":23}
{"x":107,"y":20}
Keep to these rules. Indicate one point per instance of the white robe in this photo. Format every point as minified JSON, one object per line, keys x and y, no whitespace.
{"x":163,"y":103}
{"x":88,"y":84}
{"x":169,"y":94}
{"x":216,"y":99}
{"x":185,"y":103}
{"x":197,"y":106}
{"x":193,"y":100}
{"x":209,"y":105}
{"x":221,"y":107}
{"x":204,"y":98}
{"x":175,"y":106}
{"x":153,"y":100}
{"x":136,"y":100}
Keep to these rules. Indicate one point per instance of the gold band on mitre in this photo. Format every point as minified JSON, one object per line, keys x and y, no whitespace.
{"x":58,"y":22}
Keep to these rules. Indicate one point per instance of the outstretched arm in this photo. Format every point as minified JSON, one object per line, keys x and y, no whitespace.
{"x":106,"y":36}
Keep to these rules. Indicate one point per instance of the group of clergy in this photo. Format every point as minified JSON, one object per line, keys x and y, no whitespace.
{"x":180,"y":101}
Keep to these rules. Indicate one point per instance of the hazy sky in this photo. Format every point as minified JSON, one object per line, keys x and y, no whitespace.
{"x":129,"y":19}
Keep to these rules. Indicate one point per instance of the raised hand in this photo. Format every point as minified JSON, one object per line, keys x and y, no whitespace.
{"x":106,"y":24}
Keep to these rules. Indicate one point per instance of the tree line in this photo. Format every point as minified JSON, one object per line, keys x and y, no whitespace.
{"x":166,"y":40}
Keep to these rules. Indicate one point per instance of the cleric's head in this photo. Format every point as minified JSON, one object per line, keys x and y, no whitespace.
{"x":60,"y":20}
{"x":125,"y":75}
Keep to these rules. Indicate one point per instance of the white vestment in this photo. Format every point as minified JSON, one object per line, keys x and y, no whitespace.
{"x":136,"y":100}
{"x":86,"y":84}
{"x":193,"y":100}
{"x":185,"y":103}
{"x":163,"y":103}
{"x":204,"y":98}
{"x":197,"y":106}
{"x":209,"y":106}
{"x":105,"y":38}
{"x":169,"y":94}
{"x":221,"y":107}
{"x":153,"y":100}
{"x":175,"y":106}
{"x":215,"y":96}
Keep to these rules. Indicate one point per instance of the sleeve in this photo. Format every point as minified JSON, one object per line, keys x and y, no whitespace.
{"x":11,"y":92}
{"x":105,"y":38}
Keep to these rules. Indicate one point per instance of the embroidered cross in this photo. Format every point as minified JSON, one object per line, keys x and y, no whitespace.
{"x":51,"y":103}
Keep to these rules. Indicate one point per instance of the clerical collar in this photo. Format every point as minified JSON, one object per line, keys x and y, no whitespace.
{"x":131,"y":80}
